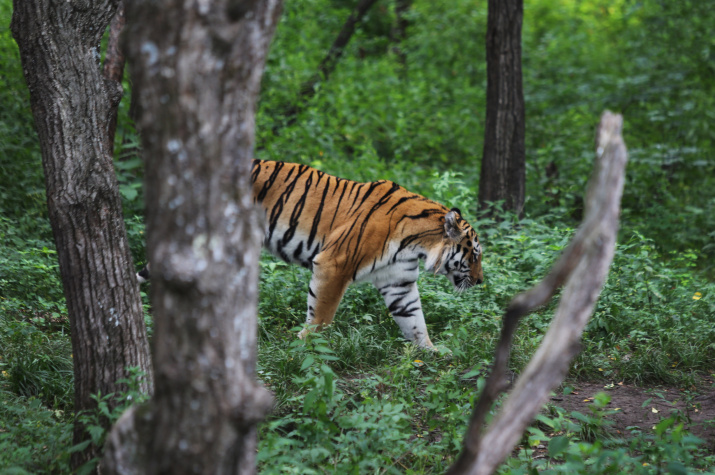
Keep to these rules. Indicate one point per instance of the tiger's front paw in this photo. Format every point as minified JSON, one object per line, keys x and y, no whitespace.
{"x":303,"y":333}
{"x":442,"y":350}
{"x":439,"y":349}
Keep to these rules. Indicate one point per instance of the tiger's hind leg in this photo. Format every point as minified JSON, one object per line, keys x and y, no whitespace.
{"x":325,"y":292}
{"x":403,"y":301}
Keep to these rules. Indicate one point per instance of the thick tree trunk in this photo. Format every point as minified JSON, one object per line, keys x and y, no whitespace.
{"x":503,"y":173}
{"x":197,"y":67}
{"x":71,"y":103}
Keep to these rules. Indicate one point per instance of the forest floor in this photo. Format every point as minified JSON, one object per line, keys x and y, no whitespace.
{"x":638,"y":408}
{"x":641,"y":408}
{"x":696,"y":405}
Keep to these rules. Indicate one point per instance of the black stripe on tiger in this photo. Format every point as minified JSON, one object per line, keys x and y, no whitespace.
{"x":346,"y":231}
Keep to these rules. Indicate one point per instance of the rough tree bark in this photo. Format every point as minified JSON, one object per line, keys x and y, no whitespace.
{"x":197,"y":67}
{"x":503,"y":172}
{"x":71,"y":103}
{"x":583,"y":267}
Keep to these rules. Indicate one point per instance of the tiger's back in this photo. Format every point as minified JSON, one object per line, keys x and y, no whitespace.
{"x":308,"y":211}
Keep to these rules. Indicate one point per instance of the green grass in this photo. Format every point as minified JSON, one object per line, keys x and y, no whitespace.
{"x":33,"y":438}
{"x":357,"y":398}
{"x":360,"y":363}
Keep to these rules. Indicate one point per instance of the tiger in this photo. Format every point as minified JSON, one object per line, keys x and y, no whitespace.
{"x":348,"y":232}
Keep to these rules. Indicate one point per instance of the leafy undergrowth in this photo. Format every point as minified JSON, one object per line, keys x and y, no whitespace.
{"x":356,"y":398}
{"x":603,"y":438}
{"x":33,"y":438}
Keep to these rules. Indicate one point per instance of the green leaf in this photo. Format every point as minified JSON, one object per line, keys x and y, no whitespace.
{"x":536,"y":433}
{"x":545,"y":420}
{"x":309,"y":401}
{"x":307,"y":362}
{"x":329,"y":377}
{"x":88,"y":467}
{"x":557,"y":445}
{"x":15,"y":471}
{"x":128,"y":192}
{"x":663,"y":425}
{"x":96,"y":433}
{"x":580,"y":417}
{"x":103,"y":408}
{"x":79,"y":447}
{"x":471,"y":373}
{"x":677,"y":468}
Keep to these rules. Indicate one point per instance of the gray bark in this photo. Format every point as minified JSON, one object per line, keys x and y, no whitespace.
{"x":197,"y":69}
{"x":72,"y":104}
{"x":583,"y":268}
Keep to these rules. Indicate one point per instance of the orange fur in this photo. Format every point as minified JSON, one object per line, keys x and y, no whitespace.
{"x":346,"y":231}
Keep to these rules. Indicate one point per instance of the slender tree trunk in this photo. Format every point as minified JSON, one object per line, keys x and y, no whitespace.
{"x":114,"y":67}
{"x":503,"y":173}
{"x":399,"y":30}
{"x":198,"y":68}
{"x":71,"y":103}
{"x":327,"y":66}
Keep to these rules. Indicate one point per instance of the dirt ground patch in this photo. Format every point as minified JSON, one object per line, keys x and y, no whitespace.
{"x":699,"y":406}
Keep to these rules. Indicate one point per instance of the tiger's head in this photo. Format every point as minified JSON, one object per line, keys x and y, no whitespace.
{"x":461,"y":258}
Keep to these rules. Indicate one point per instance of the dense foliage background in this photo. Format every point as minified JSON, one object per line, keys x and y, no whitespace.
{"x":357,"y":398}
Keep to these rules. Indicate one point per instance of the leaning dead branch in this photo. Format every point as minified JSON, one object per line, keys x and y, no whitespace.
{"x":308,"y":88}
{"x":583,"y":268}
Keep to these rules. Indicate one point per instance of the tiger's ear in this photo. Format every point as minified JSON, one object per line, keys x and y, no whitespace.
{"x":451,"y":226}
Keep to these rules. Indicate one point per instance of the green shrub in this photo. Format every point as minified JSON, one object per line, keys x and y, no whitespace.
{"x":33,"y":439}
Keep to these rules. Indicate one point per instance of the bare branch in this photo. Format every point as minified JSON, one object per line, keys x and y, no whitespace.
{"x":583,"y":267}
{"x":327,"y":66}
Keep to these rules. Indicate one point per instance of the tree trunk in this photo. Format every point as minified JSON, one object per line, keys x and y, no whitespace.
{"x":503,"y":174}
{"x":114,"y":67}
{"x":399,"y":30}
{"x":71,"y":103}
{"x":197,"y":67}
